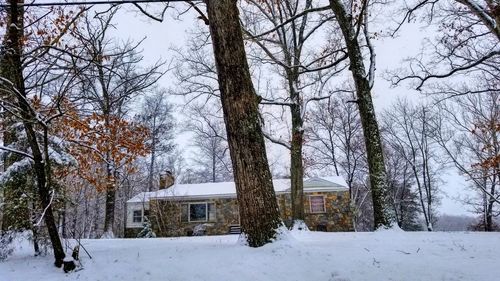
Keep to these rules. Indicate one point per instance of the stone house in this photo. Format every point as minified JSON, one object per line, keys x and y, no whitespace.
{"x":212,"y":209}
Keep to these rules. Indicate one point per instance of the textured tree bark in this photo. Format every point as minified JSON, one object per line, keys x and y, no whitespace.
{"x":152,"y":166}
{"x":371,"y":132}
{"x":256,"y":197}
{"x":489,"y":225}
{"x":109,"y":217}
{"x":152,"y":160}
{"x":12,"y":60}
{"x":296,"y":163}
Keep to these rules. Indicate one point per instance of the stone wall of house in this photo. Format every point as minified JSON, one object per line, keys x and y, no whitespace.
{"x":165,"y":218}
{"x":337,"y":215}
{"x":166,"y":215}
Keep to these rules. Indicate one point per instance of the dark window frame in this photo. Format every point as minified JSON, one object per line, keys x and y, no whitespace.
{"x":137,"y":216}
{"x":210,"y":212}
{"x":206,"y":211}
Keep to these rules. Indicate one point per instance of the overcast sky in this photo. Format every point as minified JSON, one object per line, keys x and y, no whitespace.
{"x":390,"y":52}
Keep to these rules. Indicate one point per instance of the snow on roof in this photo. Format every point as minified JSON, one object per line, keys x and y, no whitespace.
{"x":228,"y":189}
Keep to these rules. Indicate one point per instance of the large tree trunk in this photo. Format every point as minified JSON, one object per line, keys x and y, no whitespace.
{"x":256,"y":198}
{"x":367,"y":115}
{"x":12,"y":60}
{"x":44,"y":192}
{"x":110,"y":213}
{"x":489,"y":225}
{"x":109,"y":217}
{"x":152,"y":167}
{"x":296,"y":164}
{"x":15,"y":211}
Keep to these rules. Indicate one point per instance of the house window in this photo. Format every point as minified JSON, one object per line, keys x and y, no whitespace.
{"x":198,"y":212}
{"x":317,"y":203}
{"x":146,"y":215}
{"x":137,"y":216}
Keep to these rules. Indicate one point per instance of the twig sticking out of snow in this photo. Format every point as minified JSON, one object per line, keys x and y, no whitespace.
{"x":406,"y":253}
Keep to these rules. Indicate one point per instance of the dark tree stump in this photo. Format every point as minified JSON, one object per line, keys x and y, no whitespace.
{"x":69,"y":264}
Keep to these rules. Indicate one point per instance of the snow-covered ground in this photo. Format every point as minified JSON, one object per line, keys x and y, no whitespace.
{"x":385,"y":255}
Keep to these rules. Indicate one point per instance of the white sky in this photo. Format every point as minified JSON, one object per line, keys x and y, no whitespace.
{"x":161,"y":36}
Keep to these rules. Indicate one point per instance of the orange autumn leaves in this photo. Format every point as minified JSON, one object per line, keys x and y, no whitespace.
{"x":104,"y":146}
{"x":46,"y":26}
{"x":489,"y":132}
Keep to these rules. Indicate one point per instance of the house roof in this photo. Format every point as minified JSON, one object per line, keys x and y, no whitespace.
{"x":228,"y":189}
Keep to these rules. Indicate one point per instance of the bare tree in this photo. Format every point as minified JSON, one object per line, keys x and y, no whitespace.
{"x":195,"y":68}
{"x":198,"y":83}
{"x":468,"y":132}
{"x":335,"y":138}
{"x":156,"y":115}
{"x":286,"y":35}
{"x":335,"y":144}
{"x":210,"y":141}
{"x":409,"y":132}
{"x":466,"y":46}
{"x":352,"y":19}
{"x":83,"y":208}
{"x":404,"y":198}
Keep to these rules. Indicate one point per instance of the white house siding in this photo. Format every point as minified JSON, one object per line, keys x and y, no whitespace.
{"x":131,"y":207}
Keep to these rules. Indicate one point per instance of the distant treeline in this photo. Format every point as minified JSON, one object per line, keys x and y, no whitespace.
{"x":459,"y":223}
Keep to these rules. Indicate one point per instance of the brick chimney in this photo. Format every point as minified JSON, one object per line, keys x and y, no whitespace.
{"x":167,"y":179}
